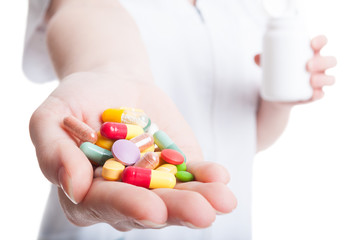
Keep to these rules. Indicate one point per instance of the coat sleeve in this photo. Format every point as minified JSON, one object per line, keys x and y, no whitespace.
{"x":36,"y":63}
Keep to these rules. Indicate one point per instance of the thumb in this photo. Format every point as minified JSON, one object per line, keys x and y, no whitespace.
{"x":60,"y":160}
{"x":257,"y":59}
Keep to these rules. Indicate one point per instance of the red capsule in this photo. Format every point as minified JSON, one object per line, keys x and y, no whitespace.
{"x":113,"y":130}
{"x":147,"y":178}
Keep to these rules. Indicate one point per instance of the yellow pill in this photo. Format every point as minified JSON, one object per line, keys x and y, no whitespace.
{"x":104,"y":142}
{"x":112,"y":170}
{"x":133,"y":131}
{"x":170,"y":168}
{"x":161,"y":179}
{"x":115,"y":114}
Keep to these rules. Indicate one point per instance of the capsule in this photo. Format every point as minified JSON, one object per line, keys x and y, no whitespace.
{"x":153,"y":128}
{"x":150,"y":149}
{"x":143,"y":141}
{"x":149,"y":160}
{"x":167,"y":168}
{"x":128,"y":116}
{"x":131,"y":116}
{"x":112,"y":170}
{"x":115,"y":131}
{"x":104,"y":142}
{"x":148,"y":178}
{"x":115,"y":114}
{"x":163,"y":141}
{"x":80,"y":129}
{"x":125,"y":152}
{"x":95,"y":154}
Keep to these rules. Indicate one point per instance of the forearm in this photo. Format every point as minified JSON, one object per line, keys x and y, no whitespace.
{"x":272,"y":119}
{"x":95,"y":35}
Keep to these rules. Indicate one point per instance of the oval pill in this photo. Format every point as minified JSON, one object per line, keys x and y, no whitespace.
{"x":182,"y":167}
{"x":149,"y":160}
{"x":143,"y":141}
{"x":167,"y":168}
{"x":148,"y":178}
{"x":80,"y":129}
{"x":125,"y":152}
{"x":172,"y":156}
{"x":95,"y":154}
{"x":112,"y":170}
{"x":184,"y":176}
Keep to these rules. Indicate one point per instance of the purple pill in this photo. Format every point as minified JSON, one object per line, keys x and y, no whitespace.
{"x":125,"y":152}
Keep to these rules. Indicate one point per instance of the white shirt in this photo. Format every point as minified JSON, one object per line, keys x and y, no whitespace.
{"x":203,"y":58}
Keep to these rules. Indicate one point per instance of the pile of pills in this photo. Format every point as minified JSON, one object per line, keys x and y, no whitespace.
{"x":130,"y":148}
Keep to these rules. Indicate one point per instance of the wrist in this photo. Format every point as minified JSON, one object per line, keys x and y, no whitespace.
{"x":277,"y":106}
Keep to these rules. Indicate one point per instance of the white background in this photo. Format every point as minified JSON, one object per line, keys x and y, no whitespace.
{"x":306,"y":186}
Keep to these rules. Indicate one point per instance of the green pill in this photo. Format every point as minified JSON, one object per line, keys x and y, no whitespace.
{"x":181,"y":167}
{"x":184,"y":176}
{"x":95,"y":153}
{"x":162,"y":139}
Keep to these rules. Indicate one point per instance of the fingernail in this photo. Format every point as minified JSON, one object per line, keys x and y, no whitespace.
{"x":219,"y":213}
{"x":65,"y":184}
{"x":149,"y":224}
{"x":188,"y":224}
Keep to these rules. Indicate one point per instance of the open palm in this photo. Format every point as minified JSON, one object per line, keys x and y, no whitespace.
{"x":91,"y":200}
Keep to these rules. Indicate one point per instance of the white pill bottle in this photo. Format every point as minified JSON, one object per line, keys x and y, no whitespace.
{"x":286,"y":51}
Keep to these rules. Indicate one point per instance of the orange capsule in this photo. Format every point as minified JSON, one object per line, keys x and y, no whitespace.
{"x":149,"y":160}
{"x":143,"y":141}
{"x":80,"y":129}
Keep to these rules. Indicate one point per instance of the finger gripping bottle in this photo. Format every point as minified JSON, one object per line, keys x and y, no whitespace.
{"x":286,"y":51}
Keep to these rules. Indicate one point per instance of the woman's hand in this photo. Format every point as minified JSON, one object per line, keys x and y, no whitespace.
{"x":317,"y":67}
{"x":87,"y":200}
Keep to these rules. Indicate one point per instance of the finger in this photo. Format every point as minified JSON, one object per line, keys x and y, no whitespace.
{"x":321,"y":64}
{"x":320,"y":80}
{"x":318,"y":43}
{"x":317,"y":94}
{"x":257,"y":59}
{"x":208,"y":171}
{"x":217,"y":194}
{"x":187,"y":208}
{"x":59,"y":158}
{"x":121,"y":205}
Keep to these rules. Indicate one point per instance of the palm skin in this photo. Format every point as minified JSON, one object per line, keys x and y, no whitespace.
{"x":86,"y":199}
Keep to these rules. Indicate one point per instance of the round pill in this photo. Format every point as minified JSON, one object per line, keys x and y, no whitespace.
{"x":125,"y":152}
{"x":184,"y":176}
{"x":172,"y":156}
